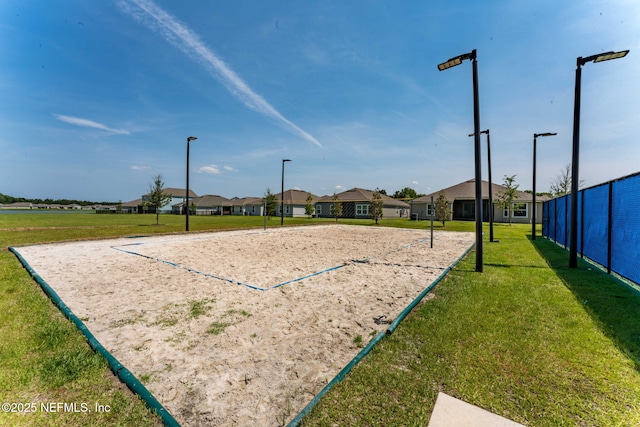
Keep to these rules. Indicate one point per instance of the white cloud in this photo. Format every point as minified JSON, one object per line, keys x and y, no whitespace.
{"x":210,"y":169}
{"x":139,"y":168}
{"x":77,"y":121}
{"x":189,"y":42}
{"x":230,"y":168}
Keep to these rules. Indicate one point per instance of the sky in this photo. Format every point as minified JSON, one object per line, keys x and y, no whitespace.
{"x":99,"y":96}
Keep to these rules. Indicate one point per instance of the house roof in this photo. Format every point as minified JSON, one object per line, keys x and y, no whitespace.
{"x":176,"y":192}
{"x":211,"y":200}
{"x":467,"y":190}
{"x":296,"y":197}
{"x":363,"y":195}
{"x":244,"y":201}
{"x":135,"y":202}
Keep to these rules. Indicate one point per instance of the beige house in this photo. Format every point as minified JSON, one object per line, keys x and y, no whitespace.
{"x":356,"y":203}
{"x":461,"y":199}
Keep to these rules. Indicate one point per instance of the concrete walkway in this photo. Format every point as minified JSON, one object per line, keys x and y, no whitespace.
{"x":452,"y":412}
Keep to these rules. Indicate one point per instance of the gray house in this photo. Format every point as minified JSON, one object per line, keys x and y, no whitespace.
{"x":295,"y":202}
{"x":356,"y":203}
{"x":251,"y":206}
{"x":461,"y":199}
{"x":209,"y":204}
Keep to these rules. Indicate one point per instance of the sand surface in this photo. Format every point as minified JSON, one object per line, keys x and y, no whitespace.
{"x":223,"y":328}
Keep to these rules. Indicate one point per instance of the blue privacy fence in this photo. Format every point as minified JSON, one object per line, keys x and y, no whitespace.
{"x":608,"y":225}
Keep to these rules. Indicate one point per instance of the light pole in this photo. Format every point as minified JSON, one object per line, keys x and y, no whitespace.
{"x":282,"y":193}
{"x":573,"y":237}
{"x":191,"y":138}
{"x":476,"y":130}
{"x":533,"y":212}
{"x":490,"y":183}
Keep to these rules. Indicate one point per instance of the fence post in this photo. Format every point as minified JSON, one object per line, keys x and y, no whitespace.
{"x":609,"y":227}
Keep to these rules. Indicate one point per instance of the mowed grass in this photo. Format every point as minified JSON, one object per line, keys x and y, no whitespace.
{"x":528,"y":339}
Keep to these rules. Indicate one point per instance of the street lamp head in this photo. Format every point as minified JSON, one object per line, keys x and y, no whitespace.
{"x":535,"y":135}
{"x":486,"y":132}
{"x":457,"y":60}
{"x":286,"y":160}
{"x":191,"y":138}
{"x":606,"y":56}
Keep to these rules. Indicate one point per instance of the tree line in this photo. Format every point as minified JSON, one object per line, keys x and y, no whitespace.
{"x":6,"y":199}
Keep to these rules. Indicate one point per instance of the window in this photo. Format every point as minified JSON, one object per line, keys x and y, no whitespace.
{"x":519,"y":210}
{"x":429,"y":210}
{"x":318,"y":209}
{"x":362,"y":210}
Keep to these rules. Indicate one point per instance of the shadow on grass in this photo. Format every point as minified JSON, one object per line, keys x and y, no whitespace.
{"x":614,"y":305}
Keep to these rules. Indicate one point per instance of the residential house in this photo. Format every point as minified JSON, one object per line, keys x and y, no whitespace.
{"x":132,"y":206}
{"x":356,"y":203}
{"x":210,"y":204}
{"x":462,"y":198}
{"x":252,"y":206}
{"x":17,"y":205}
{"x":294,"y":203}
{"x":178,"y":195}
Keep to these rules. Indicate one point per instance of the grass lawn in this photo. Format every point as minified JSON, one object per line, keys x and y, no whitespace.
{"x":529,"y":339}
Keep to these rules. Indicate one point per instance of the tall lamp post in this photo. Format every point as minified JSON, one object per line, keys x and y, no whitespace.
{"x":186,"y":205}
{"x":490,"y":183}
{"x":476,"y":130}
{"x":573,"y":237}
{"x":282,"y":193}
{"x":533,"y":212}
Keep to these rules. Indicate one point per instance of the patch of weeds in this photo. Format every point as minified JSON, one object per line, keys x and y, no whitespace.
{"x":201,"y":307}
{"x":177,"y":338}
{"x":357,"y":340}
{"x":216,"y":328}
{"x":165,"y":322}
{"x":123,"y":322}
{"x":254,"y":335}
{"x":145,"y":378}
{"x":233,"y":312}
{"x":138,"y":347}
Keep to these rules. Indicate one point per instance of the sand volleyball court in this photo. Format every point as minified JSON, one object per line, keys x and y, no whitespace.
{"x":241,"y":328}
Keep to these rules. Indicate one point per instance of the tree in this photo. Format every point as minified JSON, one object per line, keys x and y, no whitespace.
{"x":271,"y":202}
{"x":442,"y":208}
{"x":309,"y":208}
{"x":375,"y":210}
{"x":561,"y":184}
{"x":336,"y":207}
{"x":406,"y":193}
{"x":157,"y":196}
{"x":505,"y":200}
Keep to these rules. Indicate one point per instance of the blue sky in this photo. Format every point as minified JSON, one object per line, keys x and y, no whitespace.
{"x":99,"y":96}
